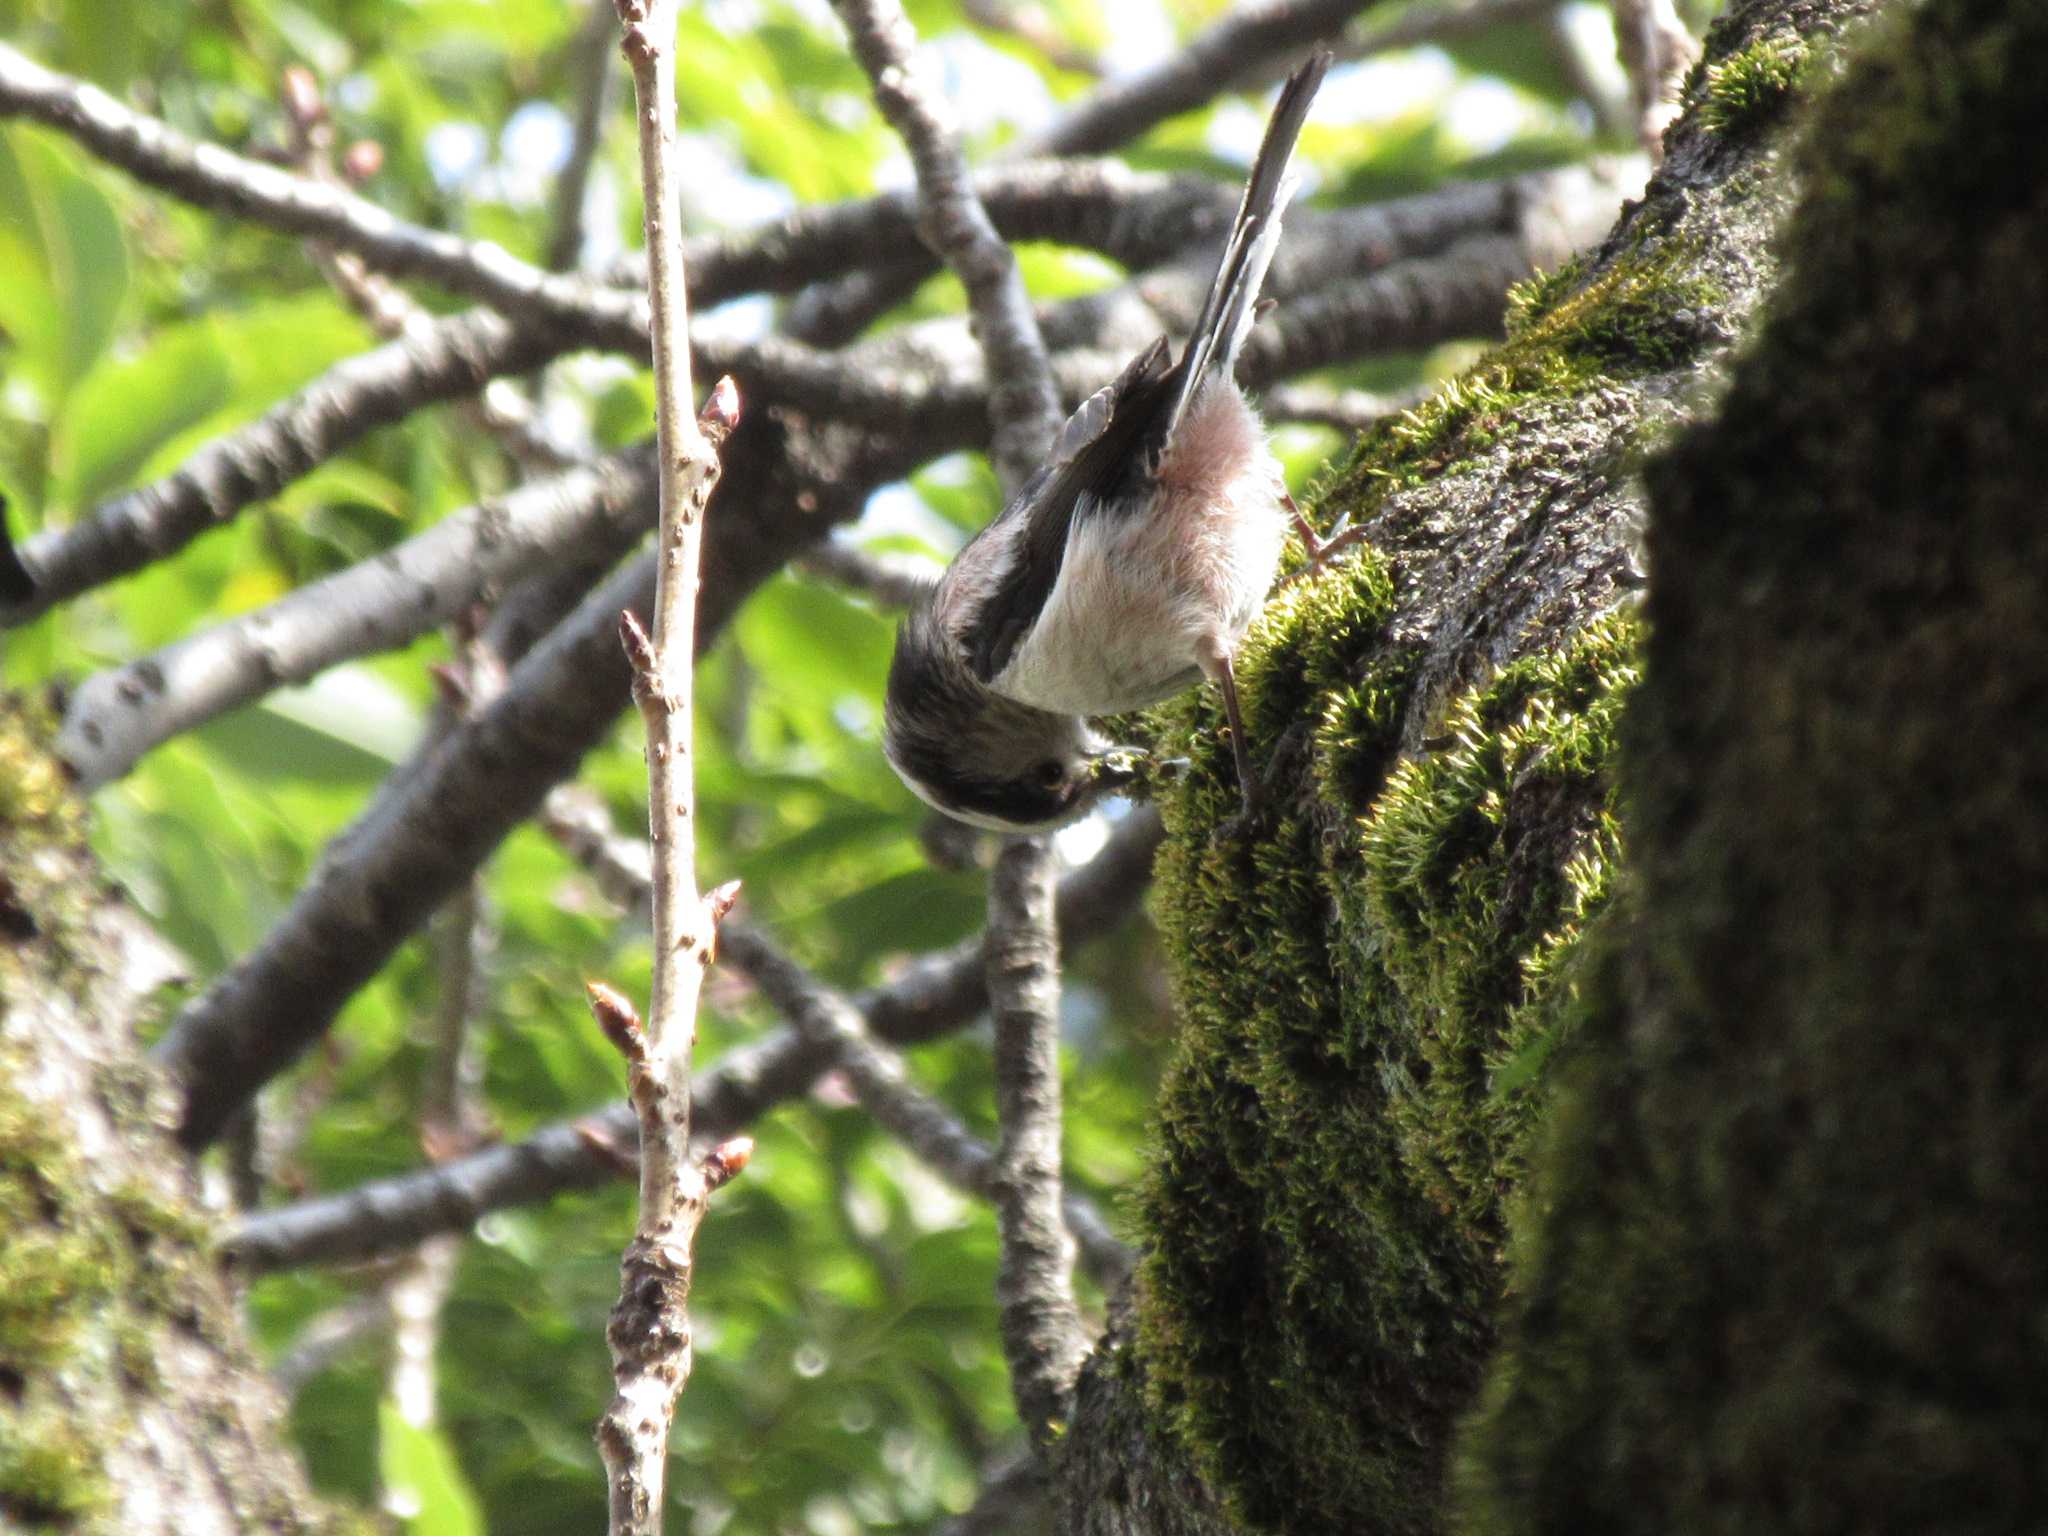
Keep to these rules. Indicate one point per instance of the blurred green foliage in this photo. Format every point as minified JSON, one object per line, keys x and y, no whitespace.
{"x":848,"y":1376}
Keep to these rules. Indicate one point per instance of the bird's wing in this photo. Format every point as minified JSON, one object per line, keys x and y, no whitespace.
{"x":995,"y":588}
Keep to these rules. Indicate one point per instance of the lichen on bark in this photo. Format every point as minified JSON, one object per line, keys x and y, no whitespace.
{"x":1373,"y":983}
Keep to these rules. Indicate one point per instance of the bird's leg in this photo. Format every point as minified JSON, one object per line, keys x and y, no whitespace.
{"x":1215,"y":660}
{"x":1321,"y":551}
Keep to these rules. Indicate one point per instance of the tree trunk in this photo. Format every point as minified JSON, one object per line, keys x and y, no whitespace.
{"x":129,"y":1400}
{"x":1372,"y":982}
{"x":1788,"y":1268}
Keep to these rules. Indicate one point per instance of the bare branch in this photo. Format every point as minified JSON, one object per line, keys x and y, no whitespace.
{"x":931,"y":998}
{"x":1030,"y":24}
{"x":1422,"y":24}
{"x":330,"y":1337}
{"x":1024,"y":407}
{"x":591,"y":69}
{"x":649,"y":1331}
{"x":1043,"y":1339}
{"x":1041,"y":1325}
{"x":437,"y":817}
{"x":1348,"y":410}
{"x":451,"y":358}
{"x":116,"y":716}
{"x":1248,"y":40}
{"x":895,"y":580}
{"x":1656,"y":51}
{"x":826,"y":1019}
{"x":209,"y":176}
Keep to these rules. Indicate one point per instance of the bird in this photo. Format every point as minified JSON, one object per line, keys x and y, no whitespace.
{"x":1124,"y":571}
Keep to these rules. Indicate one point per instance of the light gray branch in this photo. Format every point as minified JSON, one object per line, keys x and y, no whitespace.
{"x":1024,"y":407}
{"x":116,"y":716}
{"x":449,"y":359}
{"x":1040,"y":1324}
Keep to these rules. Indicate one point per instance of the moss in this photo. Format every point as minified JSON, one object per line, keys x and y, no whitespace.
{"x":1782,"y":1266}
{"x":50,"y":1473}
{"x":1330,"y":1145}
{"x":1749,"y":88}
{"x":1568,"y":334}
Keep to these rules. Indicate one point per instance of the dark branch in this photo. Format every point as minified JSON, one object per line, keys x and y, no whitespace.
{"x":1246,"y":42}
{"x":438,"y":817}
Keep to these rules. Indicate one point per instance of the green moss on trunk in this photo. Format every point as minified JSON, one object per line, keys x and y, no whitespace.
{"x":1373,"y":983}
{"x":1785,"y":1266}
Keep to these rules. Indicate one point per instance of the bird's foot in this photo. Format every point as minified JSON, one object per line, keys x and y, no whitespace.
{"x":1321,"y":550}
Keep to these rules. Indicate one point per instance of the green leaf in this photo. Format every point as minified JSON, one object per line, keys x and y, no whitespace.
{"x":423,"y":1482}
{"x":66,"y":264}
{"x":125,"y":408}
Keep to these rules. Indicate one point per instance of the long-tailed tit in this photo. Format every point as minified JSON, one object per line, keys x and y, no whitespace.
{"x":1124,"y":571}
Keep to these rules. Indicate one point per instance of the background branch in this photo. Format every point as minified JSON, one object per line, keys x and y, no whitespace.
{"x":933,"y":997}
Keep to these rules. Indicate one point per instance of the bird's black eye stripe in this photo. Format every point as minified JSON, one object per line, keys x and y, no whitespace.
{"x":1050,"y":773}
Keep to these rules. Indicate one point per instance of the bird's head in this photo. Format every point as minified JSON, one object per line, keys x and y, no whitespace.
{"x":982,"y":758}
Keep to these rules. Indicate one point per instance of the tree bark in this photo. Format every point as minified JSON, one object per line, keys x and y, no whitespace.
{"x":1374,"y":982}
{"x":1788,"y":1265}
{"x":129,"y":1399}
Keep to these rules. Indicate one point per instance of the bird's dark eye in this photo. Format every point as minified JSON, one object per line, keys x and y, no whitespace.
{"x":1050,"y":774}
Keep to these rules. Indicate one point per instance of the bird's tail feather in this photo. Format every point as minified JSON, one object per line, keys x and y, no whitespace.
{"x":1228,"y":312}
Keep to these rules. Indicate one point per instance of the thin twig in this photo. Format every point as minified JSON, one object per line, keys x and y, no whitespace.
{"x":896,"y":580}
{"x":1348,"y":410}
{"x":441,"y":813}
{"x":1043,"y":1338}
{"x":591,"y":70}
{"x":1656,"y":51}
{"x":649,"y":1332}
{"x":880,"y":1080}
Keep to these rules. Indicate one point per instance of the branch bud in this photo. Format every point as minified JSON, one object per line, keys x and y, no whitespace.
{"x":725,"y":1161}
{"x":639,"y":649}
{"x":300,"y":92}
{"x":721,"y":413}
{"x":362,"y":160}
{"x":619,"y":1020}
{"x":719,"y":901}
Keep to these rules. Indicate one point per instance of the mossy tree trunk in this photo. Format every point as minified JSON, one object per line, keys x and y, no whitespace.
{"x":1372,"y":984}
{"x":1789,"y":1267}
{"x":129,"y":1399}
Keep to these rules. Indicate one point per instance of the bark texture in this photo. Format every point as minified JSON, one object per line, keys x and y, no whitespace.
{"x":129,"y":1400}
{"x":1788,"y":1266}
{"x":1372,"y":983}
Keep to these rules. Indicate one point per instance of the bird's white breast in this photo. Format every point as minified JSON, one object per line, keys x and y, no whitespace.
{"x":1141,"y":588}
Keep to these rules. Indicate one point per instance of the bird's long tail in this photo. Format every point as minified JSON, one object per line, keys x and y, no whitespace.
{"x":1228,"y":311}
